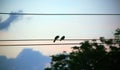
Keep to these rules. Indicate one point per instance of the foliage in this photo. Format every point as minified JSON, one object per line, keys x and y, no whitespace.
{"x":90,"y":55}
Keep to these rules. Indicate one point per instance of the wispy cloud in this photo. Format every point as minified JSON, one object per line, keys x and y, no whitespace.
{"x":13,"y":17}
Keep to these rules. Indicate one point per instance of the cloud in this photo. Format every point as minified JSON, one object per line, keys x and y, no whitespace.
{"x":13,"y":17}
{"x":26,"y":60}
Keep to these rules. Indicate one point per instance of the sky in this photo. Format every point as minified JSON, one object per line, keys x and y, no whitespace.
{"x":48,"y":26}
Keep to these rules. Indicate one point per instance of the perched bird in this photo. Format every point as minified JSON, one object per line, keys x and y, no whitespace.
{"x":55,"y":38}
{"x":62,"y":38}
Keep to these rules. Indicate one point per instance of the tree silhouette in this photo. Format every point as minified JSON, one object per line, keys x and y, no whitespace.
{"x":90,"y":55}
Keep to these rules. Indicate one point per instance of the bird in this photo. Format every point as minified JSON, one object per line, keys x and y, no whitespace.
{"x":62,"y":38}
{"x":56,"y":37}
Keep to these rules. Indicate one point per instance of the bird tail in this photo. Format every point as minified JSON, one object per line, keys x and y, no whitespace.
{"x":54,"y":40}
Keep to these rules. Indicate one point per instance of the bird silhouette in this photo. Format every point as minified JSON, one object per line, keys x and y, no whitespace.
{"x":62,"y":38}
{"x":55,"y":38}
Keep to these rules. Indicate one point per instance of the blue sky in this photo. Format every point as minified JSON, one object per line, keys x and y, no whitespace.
{"x":71,"y":26}
{"x":61,"y":6}
{"x":32,"y":26}
{"x":48,"y":26}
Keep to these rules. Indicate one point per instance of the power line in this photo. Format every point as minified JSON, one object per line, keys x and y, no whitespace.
{"x":44,"y":44}
{"x":59,"y":14}
{"x":47,"y":39}
{"x":40,"y":44}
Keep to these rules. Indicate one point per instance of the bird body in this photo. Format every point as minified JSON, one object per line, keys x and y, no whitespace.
{"x":62,"y":38}
{"x":55,"y":38}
